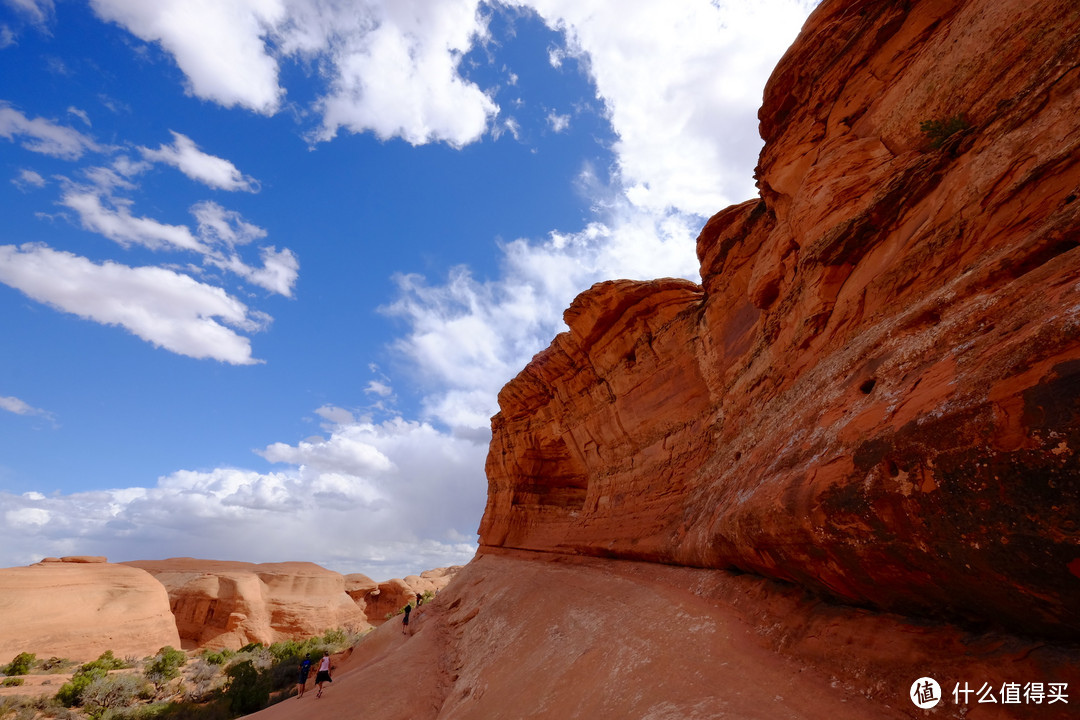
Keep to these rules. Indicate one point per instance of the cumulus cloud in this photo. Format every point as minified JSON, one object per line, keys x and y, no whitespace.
{"x":341,"y":510}
{"x":43,"y":136}
{"x":395,"y":69}
{"x":391,"y":67}
{"x":163,"y":307}
{"x":219,"y":45}
{"x":687,"y":126}
{"x":202,"y":167}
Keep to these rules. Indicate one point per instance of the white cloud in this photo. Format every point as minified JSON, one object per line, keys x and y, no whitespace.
{"x":118,"y":224}
{"x":391,"y":67}
{"x":202,"y":167}
{"x":226,"y":227}
{"x":163,"y":307}
{"x":28,"y":178}
{"x":38,"y":12}
{"x":379,"y":388}
{"x":687,"y":125}
{"x":394,"y":68}
{"x":386,"y":520}
{"x":81,"y":114}
{"x":21,"y":407}
{"x":219,"y":45}
{"x":558,"y":122}
{"x":336,"y":415}
{"x":43,"y":136}
{"x":223,"y":230}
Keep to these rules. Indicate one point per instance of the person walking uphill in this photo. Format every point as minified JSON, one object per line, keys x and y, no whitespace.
{"x":405,"y":620}
{"x":304,"y":670}
{"x":323,"y":675}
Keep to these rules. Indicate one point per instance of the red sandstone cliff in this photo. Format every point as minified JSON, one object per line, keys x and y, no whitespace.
{"x":875,"y":391}
{"x":874,"y":395}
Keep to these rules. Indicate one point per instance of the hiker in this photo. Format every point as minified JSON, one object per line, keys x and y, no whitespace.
{"x":419,"y":599}
{"x":405,"y":620}
{"x":304,"y":670}
{"x":323,"y":675}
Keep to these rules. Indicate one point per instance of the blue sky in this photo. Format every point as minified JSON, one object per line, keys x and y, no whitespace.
{"x":265,"y":264}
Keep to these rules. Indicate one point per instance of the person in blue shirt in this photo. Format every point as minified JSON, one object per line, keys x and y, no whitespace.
{"x":304,"y":670}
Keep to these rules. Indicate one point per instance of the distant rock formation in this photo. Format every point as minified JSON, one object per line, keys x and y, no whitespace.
{"x":377,"y":600}
{"x":79,"y":607}
{"x":875,"y":391}
{"x":220,"y":604}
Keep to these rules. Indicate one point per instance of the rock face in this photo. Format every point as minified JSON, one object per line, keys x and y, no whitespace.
{"x":378,"y":600}
{"x":80,"y":607}
{"x":875,"y":390}
{"x":221,"y":604}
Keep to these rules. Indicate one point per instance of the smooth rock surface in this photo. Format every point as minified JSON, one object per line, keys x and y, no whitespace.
{"x":222,"y":604}
{"x":80,"y":609}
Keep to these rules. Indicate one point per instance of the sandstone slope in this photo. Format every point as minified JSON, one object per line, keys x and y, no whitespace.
{"x":517,"y":636}
{"x":80,"y":607}
{"x":875,"y":391}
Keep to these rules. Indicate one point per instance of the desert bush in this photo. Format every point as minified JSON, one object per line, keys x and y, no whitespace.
{"x":164,"y":666}
{"x":107,"y":661}
{"x":248,"y":690}
{"x":13,"y":681}
{"x":21,"y":664}
{"x":219,"y":657}
{"x":113,"y":692}
{"x":202,"y":679}
{"x":938,"y":131}
{"x":70,"y":693}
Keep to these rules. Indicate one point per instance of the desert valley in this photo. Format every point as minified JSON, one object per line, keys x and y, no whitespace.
{"x":844,"y":463}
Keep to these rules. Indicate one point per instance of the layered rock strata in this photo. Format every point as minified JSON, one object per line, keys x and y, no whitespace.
{"x":219,"y":604}
{"x":79,"y":607}
{"x":875,"y":390}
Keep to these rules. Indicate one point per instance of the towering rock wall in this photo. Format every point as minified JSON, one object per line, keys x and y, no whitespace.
{"x":875,"y":390}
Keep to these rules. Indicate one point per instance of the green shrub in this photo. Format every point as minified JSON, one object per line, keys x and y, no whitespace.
{"x":113,"y":692}
{"x":107,"y":661}
{"x":71,"y":693}
{"x":13,"y":681}
{"x":164,"y":666}
{"x":217,"y":658}
{"x":248,"y":690}
{"x":938,"y":131}
{"x":21,"y":664}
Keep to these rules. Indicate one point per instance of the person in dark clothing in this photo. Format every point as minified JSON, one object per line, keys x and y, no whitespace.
{"x":304,"y":670}
{"x":405,"y":620}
